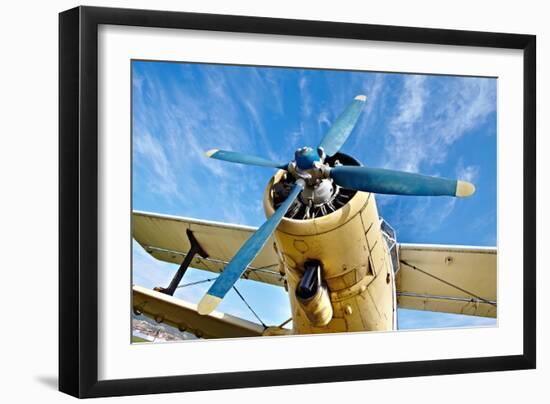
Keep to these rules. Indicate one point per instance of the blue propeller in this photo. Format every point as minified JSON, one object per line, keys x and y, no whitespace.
{"x":309,"y":163}
{"x":342,"y":127}
{"x":381,"y":181}
{"x":332,"y":142}
{"x":245,"y":255}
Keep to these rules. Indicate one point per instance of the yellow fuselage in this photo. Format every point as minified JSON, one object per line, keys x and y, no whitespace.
{"x":356,"y":265}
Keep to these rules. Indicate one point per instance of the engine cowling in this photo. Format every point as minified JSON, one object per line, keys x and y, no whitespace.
{"x":355,"y":270}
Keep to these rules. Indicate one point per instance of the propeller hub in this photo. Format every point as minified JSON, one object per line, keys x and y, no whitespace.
{"x":320,"y":196}
{"x":306,"y":157}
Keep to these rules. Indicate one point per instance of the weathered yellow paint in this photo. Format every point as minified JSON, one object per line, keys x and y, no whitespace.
{"x":472,"y":269}
{"x":164,"y":237}
{"x":184,"y":316}
{"x":355,"y":259}
{"x":464,"y":189}
{"x":356,"y":269}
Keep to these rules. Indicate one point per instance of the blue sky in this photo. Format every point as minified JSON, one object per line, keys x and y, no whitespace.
{"x":435,"y":125}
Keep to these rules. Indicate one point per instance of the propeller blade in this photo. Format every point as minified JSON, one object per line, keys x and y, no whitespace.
{"x":339,"y":132}
{"x":241,"y":158}
{"x":382,"y":181}
{"x":245,"y":255}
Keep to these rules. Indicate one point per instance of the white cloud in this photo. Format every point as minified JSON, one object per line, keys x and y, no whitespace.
{"x":323,"y":120}
{"x":161,"y":178}
{"x":254,"y":116}
{"x":424,"y":128}
{"x":175,"y":124}
{"x":411,"y":106}
{"x":467,"y":173}
{"x":306,"y":99}
{"x":273,"y":85}
{"x":422,"y":133}
{"x":406,"y":150}
{"x":373,"y":89}
{"x":436,"y":211}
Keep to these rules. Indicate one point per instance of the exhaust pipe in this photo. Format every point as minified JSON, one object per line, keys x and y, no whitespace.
{"x":312,"y":295}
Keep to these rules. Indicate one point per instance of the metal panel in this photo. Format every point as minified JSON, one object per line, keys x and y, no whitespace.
{"x":450,"y":279}
{"x":164,"y":238}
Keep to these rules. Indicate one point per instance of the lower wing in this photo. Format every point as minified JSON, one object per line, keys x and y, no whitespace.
{"x":184,"y":316}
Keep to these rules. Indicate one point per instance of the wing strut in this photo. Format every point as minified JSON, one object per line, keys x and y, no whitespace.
{"x":195,"y":249}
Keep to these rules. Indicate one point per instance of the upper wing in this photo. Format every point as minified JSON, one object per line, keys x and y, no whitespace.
{"x":184,"y":316}
{"x":450,"y":279}
{"x":164,"y":237}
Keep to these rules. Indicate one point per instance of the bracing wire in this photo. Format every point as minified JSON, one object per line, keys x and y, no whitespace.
{"x":448,"y":283}
{"x":196,"y":282}
{"x":236,"y":290}
{"x":247,"y":305}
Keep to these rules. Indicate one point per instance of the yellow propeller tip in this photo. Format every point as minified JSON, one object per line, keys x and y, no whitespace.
{"x":361,"y":98}
{"x":464,"y":188}
{"x":207,"y":304}
{"x":211,"y":152}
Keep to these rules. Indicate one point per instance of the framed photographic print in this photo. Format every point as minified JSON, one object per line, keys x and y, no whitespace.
{"x":250,"y":201}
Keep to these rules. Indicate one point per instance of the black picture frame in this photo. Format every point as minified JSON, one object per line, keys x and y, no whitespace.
{"x":78,"y":200}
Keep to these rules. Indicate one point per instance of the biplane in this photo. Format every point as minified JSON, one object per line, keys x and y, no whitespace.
{"x":325,"y":243}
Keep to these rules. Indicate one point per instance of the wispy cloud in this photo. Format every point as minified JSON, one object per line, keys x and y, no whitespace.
{"x":439,"y":215}
{"x":364,"y":132}
{"x":427,"y":214}
{"x":406,"y":149}
{"x":174,"y":125}
{"x":259,"y":128}
{"x":372,"y":89}
{"x":305,"y":96}
{"x":467,"y":173}
{"x":411,"y":105}
{"x":323,"y":120}
{"x":151,"y":154}
{"x":432,"y":116}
